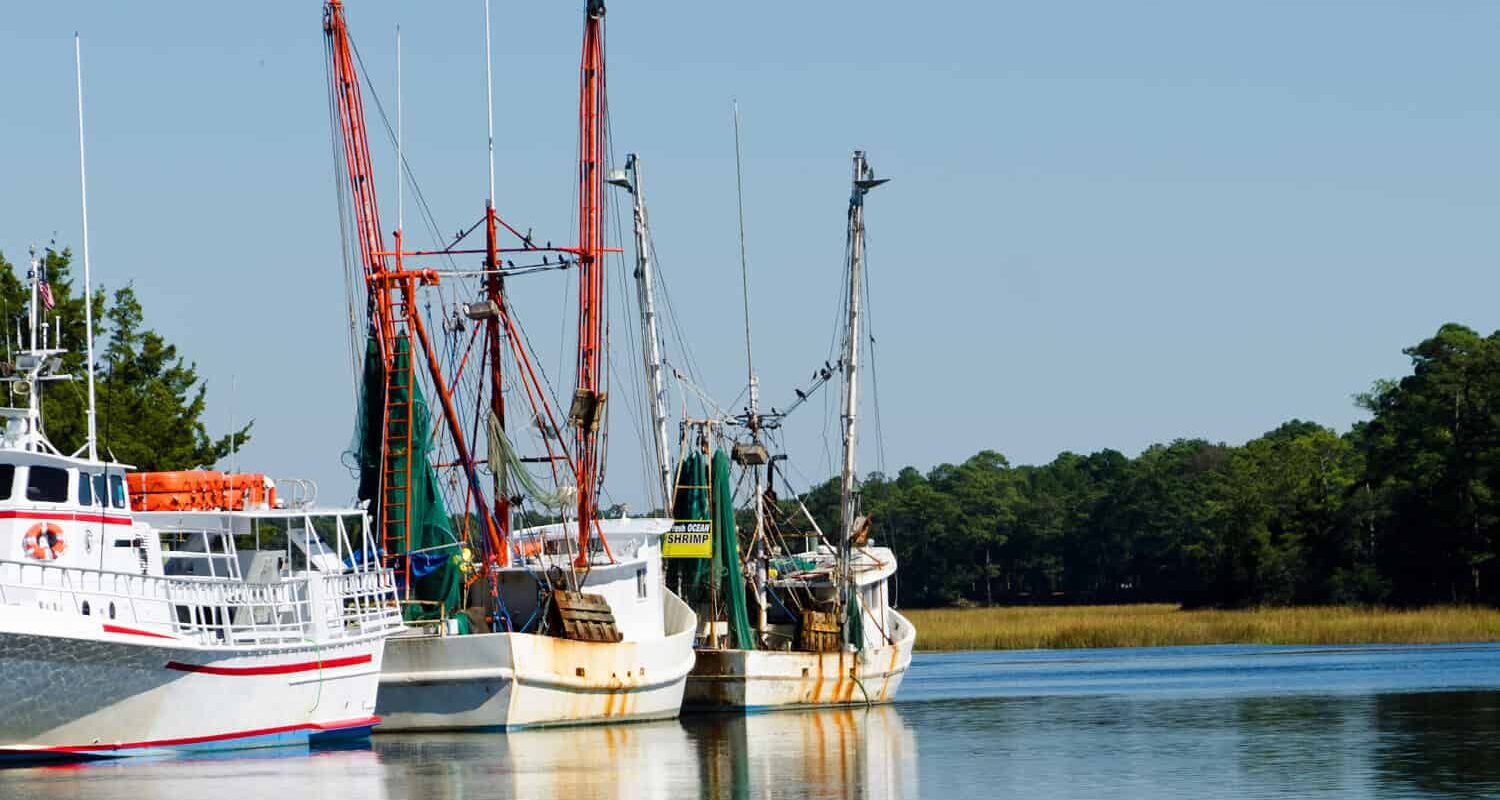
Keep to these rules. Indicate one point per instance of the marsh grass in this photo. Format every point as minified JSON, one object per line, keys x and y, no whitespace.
{"x":1157,"y":625}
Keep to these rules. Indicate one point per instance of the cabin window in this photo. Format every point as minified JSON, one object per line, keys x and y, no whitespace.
{"x":47,"y":484}
{"x":100,"y":492}
{"x":640,"y":583}
{"x":7,"y":478}
{"x":117,"y":491}
{"x":85,"y":490}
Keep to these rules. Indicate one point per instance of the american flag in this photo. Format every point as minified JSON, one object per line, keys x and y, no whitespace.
{"x":44,"y":289}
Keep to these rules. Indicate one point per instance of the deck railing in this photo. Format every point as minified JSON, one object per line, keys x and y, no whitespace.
{"x":316,"y":607}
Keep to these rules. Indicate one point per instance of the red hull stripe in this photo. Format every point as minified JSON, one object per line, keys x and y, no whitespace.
{"x":134,"y":632}
{"x":272,"y":669}
{"x":59,"y":516}
{"x":216,"y":737}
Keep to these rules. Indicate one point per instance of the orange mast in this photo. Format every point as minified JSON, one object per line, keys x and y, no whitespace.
{"x":393,"y":320}
{"x":589,"y":399}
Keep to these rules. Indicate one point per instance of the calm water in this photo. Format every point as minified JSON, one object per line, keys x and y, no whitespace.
{"x":1202,"y":722}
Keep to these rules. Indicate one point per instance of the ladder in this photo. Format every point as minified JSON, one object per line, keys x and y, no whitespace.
{"x":396,"y":461}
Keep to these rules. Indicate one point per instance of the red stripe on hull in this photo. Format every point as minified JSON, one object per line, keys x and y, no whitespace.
{"x":272,"y":669}
{"x":363,"y":722}
{"x":53,"y":516}
{"x":134,"y":632}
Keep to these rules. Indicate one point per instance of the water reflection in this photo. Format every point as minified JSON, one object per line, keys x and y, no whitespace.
{"x":855,"y":753}
{"x":865,"y":753}
{"x":1209,"y":723}
{"x":646,"y":760}
{"x":291,"y":773}
{"x":1441,"y":743}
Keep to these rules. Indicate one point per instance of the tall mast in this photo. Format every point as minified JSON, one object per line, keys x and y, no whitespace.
{"x":395,"y":321}
{"x":739,"y":190}
{"x":589,"y":398}
{"x":92,"y":442}
{"x":650,"y":340}
{"x":494,"y":289}
{"x":757,"y":550}
{"x":864,"y":180}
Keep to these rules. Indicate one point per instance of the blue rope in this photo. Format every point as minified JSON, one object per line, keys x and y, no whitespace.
{"x":504,"y":613}
{"x":771,"y":593}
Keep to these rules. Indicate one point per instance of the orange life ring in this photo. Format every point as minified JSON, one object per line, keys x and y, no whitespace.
{"x":44,"y":542}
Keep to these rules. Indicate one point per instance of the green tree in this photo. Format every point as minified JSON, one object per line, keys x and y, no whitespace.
{"x":1432,"y":447}
{"x":150,"y":400}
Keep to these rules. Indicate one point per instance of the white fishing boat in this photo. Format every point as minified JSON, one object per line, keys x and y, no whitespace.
{"x":824,"y":631}
{"x":119,"y":637}
{"x":514,"y":679}
{"x":788,"y":671}
{"x":509,"y":625}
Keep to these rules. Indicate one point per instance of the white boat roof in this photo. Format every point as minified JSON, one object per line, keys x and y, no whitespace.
{"x":237,"y":520}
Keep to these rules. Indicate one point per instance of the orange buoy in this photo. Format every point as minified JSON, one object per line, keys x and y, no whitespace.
{"x":44,"y":542}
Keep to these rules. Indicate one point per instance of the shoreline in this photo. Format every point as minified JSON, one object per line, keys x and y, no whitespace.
{"x":1168,"y":625}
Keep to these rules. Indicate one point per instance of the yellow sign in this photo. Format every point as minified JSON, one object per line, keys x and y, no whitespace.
{"x":689,"y":538}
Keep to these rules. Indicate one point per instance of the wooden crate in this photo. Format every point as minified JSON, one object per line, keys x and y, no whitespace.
{"x":819,"y":632}
{"x":582,"y":617}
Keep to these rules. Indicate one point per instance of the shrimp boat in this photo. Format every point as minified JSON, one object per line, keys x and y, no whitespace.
{"x":126,"y":634}
{"x":824,"y":632}
{"x":510,"y":623}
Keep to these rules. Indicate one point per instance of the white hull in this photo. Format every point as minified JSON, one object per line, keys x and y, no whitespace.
{"x":76,"y":688}
{"x":516,"y":680}
{"x":767,"y":679}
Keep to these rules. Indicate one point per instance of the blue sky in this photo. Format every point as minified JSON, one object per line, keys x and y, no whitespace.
{"x":1110,"y":224}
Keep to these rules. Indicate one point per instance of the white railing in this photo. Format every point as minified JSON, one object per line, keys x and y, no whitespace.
{"x":214,"y":611}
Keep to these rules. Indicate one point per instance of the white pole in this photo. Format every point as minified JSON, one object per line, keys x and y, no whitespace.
{"x":489,"y":94}
{"x":400,"y":160}
{"x":228,"y":494}
{"x":88,"y":285}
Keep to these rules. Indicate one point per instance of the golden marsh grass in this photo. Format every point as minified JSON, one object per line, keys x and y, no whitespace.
{"x":1158,"y":625}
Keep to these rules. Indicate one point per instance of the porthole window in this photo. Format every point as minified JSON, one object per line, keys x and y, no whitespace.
{"x":85,"y":608}
{"x":111,"y":610}
{"x":640,"y":583}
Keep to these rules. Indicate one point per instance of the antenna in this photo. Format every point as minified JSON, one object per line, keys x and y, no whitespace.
{"x":92,"y":442}
{"x":234,"y":441}
{"x":400,"y":159}
{"x":489,"y":97}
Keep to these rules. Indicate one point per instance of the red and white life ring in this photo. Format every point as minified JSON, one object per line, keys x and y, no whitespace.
{"x":44,"y":542}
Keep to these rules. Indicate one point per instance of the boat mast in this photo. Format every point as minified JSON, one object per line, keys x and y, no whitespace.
{"x":92,"y":443}
{"x":589,"y":398}
{"x":494,"y":285}
{"x":864,"y":180}
{"x":757,"y":550}
{"x":645,"y":286}
{"x":395,"y":322}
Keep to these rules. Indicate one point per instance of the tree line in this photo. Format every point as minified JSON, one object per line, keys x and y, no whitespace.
{"x":150,"y":400}
{"x":1403,"y":509}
